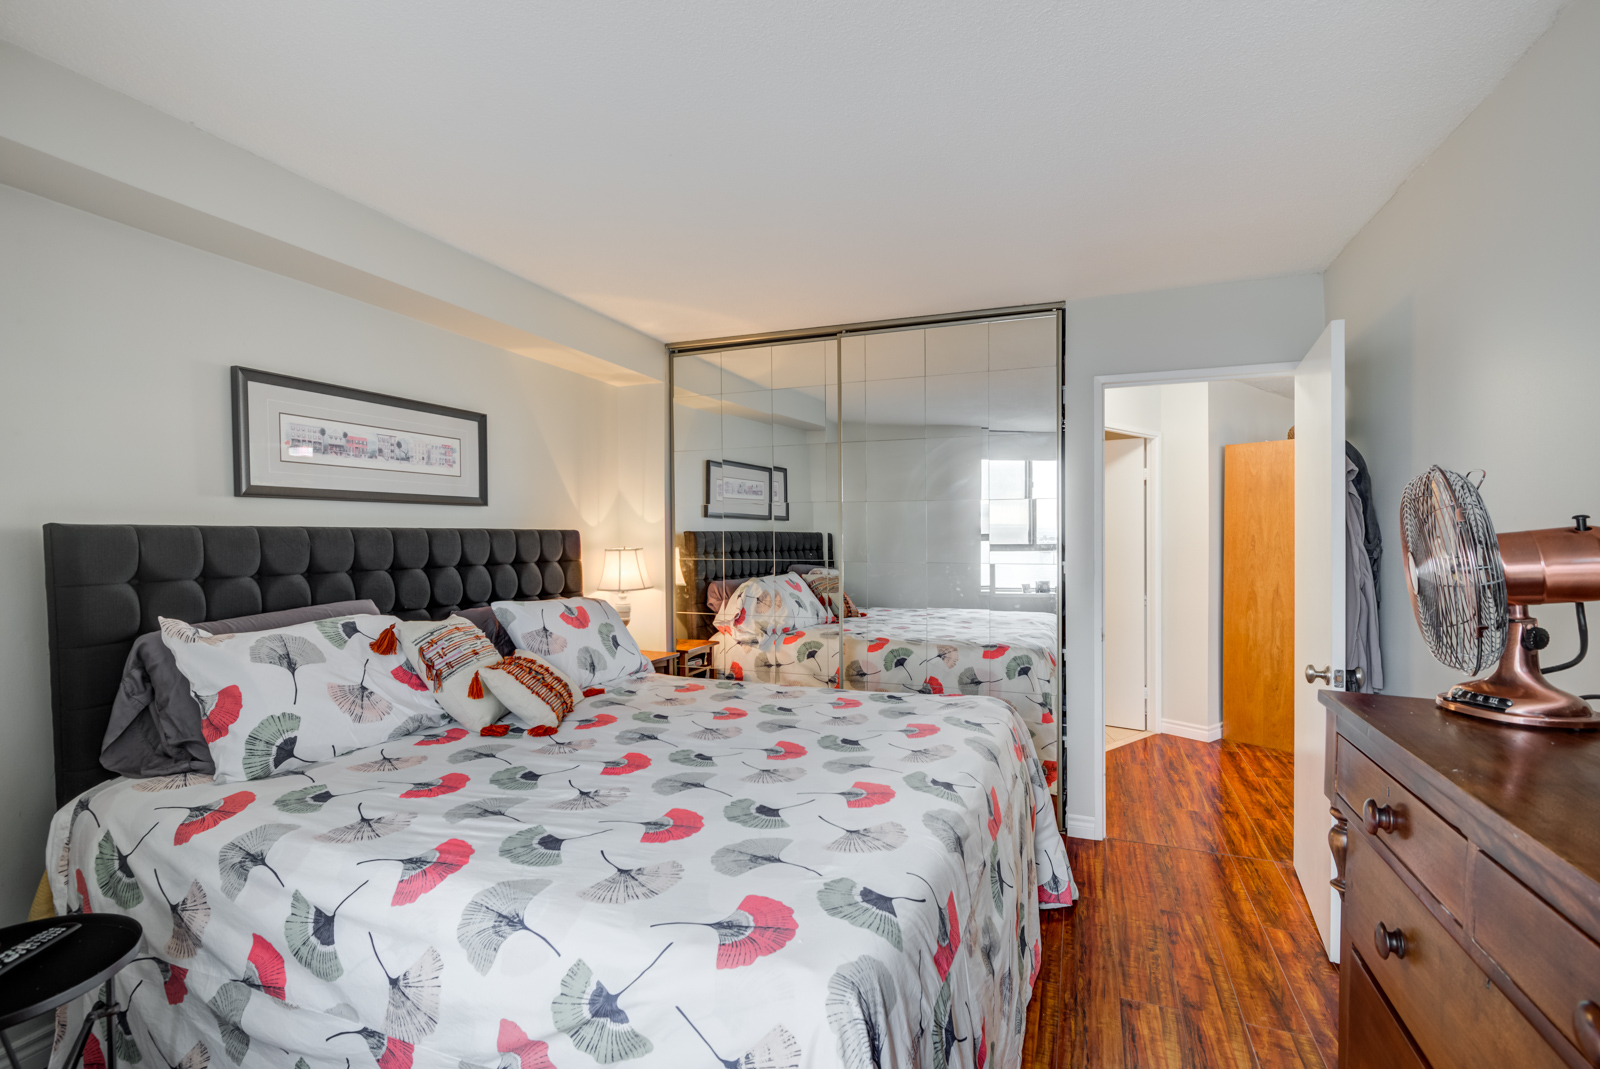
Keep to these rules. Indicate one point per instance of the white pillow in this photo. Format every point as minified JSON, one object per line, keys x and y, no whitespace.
{"x":583,"y":638}
{"x":533,"y":689}
{"x":275,"y":701}
{"x":768,"y":604}
{"x":448,"y":654}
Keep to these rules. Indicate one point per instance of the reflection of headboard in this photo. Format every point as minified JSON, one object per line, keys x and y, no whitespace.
{"x":706,"y":556}
{"x":106,"y":584}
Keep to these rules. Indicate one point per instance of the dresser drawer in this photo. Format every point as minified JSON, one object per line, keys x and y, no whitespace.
{"x":1373,"y":1037}
{"x":1449,"y":1007}
{"x":1548,"y":959}
{"x":1434,"y":851}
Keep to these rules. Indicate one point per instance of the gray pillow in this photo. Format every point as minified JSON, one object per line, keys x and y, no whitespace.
{"x":718,"y":591}
{"x":484,"y":619}
{"x":155,"y":721}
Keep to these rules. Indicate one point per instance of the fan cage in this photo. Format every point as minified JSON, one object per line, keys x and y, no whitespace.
{"x":1458,"y":586}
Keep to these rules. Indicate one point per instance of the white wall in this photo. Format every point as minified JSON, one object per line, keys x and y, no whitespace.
{"x":1258,"y":322}
{"x":1186,"y":550}
{"x":1472,"y":323}
{"x":115,"y":347}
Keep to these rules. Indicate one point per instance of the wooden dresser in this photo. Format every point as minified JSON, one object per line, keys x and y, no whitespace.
{"x":1469,"y":855}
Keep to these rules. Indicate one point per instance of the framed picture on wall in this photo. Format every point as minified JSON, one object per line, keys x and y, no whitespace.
{"x":294,"y":437}
{"x":780,"y":493}
{"x":738,"y":491}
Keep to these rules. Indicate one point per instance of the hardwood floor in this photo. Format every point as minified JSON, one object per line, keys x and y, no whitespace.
{"x":1192,"y":945}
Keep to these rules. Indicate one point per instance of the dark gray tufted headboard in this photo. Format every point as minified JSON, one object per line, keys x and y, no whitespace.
{"x":106,"y":584}
{"x":707,"y":556}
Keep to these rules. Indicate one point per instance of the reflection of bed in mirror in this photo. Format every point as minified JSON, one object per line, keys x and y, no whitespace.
{"x":1004,"y":654}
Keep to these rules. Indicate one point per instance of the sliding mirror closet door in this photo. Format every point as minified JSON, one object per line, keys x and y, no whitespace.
{"x":755,"y":487}
{"x":951,"y":451}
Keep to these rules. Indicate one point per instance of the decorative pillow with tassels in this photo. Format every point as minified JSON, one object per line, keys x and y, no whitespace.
{"x":533,"y":689}
{"x":583,"y":638}
{"x":276,"y":701}
{"x":449,"y":653}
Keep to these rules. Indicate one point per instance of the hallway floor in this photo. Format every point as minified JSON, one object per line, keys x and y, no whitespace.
{"x":1116,"y":737}
{"x":1192,"y":945}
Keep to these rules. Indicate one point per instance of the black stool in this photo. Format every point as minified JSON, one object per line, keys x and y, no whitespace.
{"x":65,"y":969}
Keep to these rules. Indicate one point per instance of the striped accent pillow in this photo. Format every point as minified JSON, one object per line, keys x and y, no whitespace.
{"x":532,"y":688}
{"x":448,"y":654}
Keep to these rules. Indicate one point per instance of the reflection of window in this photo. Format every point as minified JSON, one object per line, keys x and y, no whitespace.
{"x":1018,"y":525}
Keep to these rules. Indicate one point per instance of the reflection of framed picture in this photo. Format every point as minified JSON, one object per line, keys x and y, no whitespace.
{"x":738,"y":491}
{"x":780,"y":493}
{"x":298,"y":438}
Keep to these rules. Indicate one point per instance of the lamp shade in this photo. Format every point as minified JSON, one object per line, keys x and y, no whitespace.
{"x":623,"y":570}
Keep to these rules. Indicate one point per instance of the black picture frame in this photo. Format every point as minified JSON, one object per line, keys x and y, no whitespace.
{"x":780,"y":503}
{"x":245,"y":483}
{"x":714,"y":470}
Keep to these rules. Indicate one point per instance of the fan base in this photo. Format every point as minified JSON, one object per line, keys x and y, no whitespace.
{"x":1583,"y":721}
{"x":1517,"y":692}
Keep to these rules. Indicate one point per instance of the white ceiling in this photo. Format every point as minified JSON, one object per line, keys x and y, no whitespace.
{"x":707,"y":167}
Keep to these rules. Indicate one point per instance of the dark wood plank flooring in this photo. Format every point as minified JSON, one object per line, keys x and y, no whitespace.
{"x":1192,"y":946}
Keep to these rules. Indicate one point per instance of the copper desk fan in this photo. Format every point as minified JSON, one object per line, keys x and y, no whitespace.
{"x":1471,"y":590}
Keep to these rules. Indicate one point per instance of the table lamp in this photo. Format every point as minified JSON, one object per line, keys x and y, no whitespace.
{"x":623,"y":571}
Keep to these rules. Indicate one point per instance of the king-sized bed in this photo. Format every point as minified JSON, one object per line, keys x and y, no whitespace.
{"x":685,"y":872}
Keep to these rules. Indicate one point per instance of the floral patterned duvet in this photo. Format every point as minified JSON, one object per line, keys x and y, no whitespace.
{"x":685,"y":874}
{"x":1007,"y":655}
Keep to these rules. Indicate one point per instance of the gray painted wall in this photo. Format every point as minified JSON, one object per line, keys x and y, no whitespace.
{"x":115,"y":347}
{"x":1472,"y":309}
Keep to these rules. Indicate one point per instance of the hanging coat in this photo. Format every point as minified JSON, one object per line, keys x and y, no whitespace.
{"x":1374,"y":538}
{"x":1361,"y":591}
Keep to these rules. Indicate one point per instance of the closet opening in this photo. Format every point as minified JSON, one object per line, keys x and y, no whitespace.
{"x":1198,"y":562}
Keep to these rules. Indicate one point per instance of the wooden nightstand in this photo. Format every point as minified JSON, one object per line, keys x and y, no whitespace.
{"x":695,"y":658}
{"x":665,"y":661}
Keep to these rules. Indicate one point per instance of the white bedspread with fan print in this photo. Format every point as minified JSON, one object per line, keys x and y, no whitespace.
{"x":686,"y":873}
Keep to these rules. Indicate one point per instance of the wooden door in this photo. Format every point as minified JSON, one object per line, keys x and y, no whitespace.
{"x":1258,"y":594}
{"x":1126,"y":581}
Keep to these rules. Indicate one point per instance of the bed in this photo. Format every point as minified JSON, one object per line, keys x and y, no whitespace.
{"x":687,"y":872}
{"x":1007,"y":655}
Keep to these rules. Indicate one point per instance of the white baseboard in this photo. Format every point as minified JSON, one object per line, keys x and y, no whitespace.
{"x":1080,"y":827}
{"x":1198,"y":732}
{"x":32,"y":1040}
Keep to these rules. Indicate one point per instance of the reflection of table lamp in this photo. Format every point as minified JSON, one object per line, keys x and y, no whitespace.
{"x":623,"y":571}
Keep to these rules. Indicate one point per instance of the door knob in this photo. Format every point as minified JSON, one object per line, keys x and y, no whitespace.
{"x":1390,"y":941}
{"x":1326,"y":674}
{"x":1376,"y":818}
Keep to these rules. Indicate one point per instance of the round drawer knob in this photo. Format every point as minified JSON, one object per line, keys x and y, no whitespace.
{"x":1586,"y":1024}
{"x":1390,"y":941}
{"x":1378,"y":818}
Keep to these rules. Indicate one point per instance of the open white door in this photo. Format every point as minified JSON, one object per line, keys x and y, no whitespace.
{"x":1319,"y":511}
{"x":1126,"y":601}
